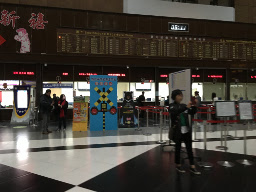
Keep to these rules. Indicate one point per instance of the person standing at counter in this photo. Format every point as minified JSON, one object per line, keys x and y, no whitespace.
{"x":140,"y":100}
{"x":181,"y":130}
{"x":46,"y":104}
{"x":62,"y":108}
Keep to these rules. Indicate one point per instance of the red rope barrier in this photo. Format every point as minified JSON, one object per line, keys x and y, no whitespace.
{"x":197,"y":120}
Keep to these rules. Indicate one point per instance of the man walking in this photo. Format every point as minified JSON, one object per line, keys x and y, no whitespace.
{"x":46,"y":104}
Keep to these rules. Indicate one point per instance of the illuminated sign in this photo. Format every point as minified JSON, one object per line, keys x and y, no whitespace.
{"x":178,"y":27}
{"x":117,"y":75}
{"x":87,"y":74}
{"x":23,"y":73}
{"x":215,"y":76}
{"x":253,"y":77}
{"x":195,"y":76}
{"x":163,"y":75}
{"x":65,"y":74}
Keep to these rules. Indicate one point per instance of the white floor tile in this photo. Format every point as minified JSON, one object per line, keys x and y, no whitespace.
{"x":79,"y":189}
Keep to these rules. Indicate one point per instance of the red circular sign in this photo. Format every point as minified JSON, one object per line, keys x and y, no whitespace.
{"x":110,"y":83}
{"x":106,"y":83}
{"x":94,"y":111}
{"x":101,"y":83}
{"x":113,"y":111}
{"x":96,"y":83}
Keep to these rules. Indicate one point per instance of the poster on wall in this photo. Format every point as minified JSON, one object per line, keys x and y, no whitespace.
{"x":21,"y":105}
{"x":103,"y":102}
{"x":181,"y":80}
{"x":80,"y":113}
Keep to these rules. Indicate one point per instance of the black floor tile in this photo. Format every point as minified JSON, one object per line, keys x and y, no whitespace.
{"x":154,"y":171}
{"x":15,"y":180}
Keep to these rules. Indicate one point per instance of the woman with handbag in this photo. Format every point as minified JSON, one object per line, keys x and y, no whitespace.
{"x":63,"y":106}
{"x":181,"y":129}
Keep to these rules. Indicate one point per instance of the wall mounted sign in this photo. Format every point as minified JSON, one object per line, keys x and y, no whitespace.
{"x":58,"y":85}
{"x":23,"y":73}
{"x":87,"y":74}
{"x":178,"y":27}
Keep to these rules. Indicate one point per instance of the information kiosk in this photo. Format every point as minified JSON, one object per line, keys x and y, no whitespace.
{"x":21,"y":105}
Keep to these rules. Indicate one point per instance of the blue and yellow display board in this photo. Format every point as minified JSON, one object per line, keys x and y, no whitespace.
{"x":21,"y":104}
{"x":103,"y":102}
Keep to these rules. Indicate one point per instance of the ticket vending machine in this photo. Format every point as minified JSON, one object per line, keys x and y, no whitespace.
{"x":127,"y":115}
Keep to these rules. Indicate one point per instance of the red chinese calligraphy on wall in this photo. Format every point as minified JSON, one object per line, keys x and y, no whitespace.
{"x":37,"y":21}
{"x":8,"y":18}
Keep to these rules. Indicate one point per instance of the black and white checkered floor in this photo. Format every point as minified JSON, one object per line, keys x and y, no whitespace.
{"x":123,"y":160}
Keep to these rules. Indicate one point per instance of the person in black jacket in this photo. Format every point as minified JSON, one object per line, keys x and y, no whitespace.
{"x":181,"y":130}
{"x":63,"y":106}
{"x":46,"y":104}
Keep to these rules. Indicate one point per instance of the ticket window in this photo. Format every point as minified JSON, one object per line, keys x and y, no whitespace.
{"x":82,"y":88}
{"x":238,"y":91}
{"x":209,"y":88}
{"x":163,"y":90}
{"x":251,"y":94}
{"x":198,"y":87}
{"x":148,"y":88}
{"x":121,"y":87}
{"x":68,"y":92}
{"x":7,"y":92}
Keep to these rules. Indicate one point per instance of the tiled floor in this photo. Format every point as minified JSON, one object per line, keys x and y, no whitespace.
{"x":123,"y":160}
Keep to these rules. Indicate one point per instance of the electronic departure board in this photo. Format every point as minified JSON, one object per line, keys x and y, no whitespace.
{"x":133,"y":44}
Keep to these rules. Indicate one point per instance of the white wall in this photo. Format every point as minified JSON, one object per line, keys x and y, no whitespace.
{"x":176,"y":9}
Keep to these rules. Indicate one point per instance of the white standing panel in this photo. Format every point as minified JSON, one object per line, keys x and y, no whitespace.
{"x":181,"y":80}
{"x":225,"y":109}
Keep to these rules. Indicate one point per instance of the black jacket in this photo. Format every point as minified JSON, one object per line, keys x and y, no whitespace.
{"x":175,"y":110}
{"x":45,"y":104}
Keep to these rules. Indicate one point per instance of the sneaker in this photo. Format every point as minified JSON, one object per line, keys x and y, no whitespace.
{"x":49,"y":131}
{"x":195,"y":171}
{"x":45,"y":133}
{"x":180,"y":169}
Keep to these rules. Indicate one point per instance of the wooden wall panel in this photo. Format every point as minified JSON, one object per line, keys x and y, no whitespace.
{"x":53,"y":16}
{"x":25,"y":15}
{"x":67,"y":18}
{"x":156,"y":25}
{"x":38,"y":41}
{"x":120,"y":22}
{"x":8,"y":33}
{"x":94,"y":20}
{"x":80,"y":19}
{"x":144,"y":24}
{"x":108,"y":22}
{"x":132,"y":23}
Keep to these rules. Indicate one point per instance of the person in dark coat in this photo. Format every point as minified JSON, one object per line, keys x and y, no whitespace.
{"x":140,"y":100}
{"x":62,"y":109}
{"x":181,"y":129}
{"x":46,"y":104}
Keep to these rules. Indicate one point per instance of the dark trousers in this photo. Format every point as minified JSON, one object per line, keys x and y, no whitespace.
{"x":186,"y":138}
{"x":63,"y":119}
{"x":46,"y":119}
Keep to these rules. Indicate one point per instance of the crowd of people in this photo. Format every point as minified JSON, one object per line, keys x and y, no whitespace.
{"x":56,"y":105}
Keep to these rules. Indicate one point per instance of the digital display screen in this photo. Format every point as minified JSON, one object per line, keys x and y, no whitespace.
{"x":183,"y":27}
{"x":22,"y":99}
